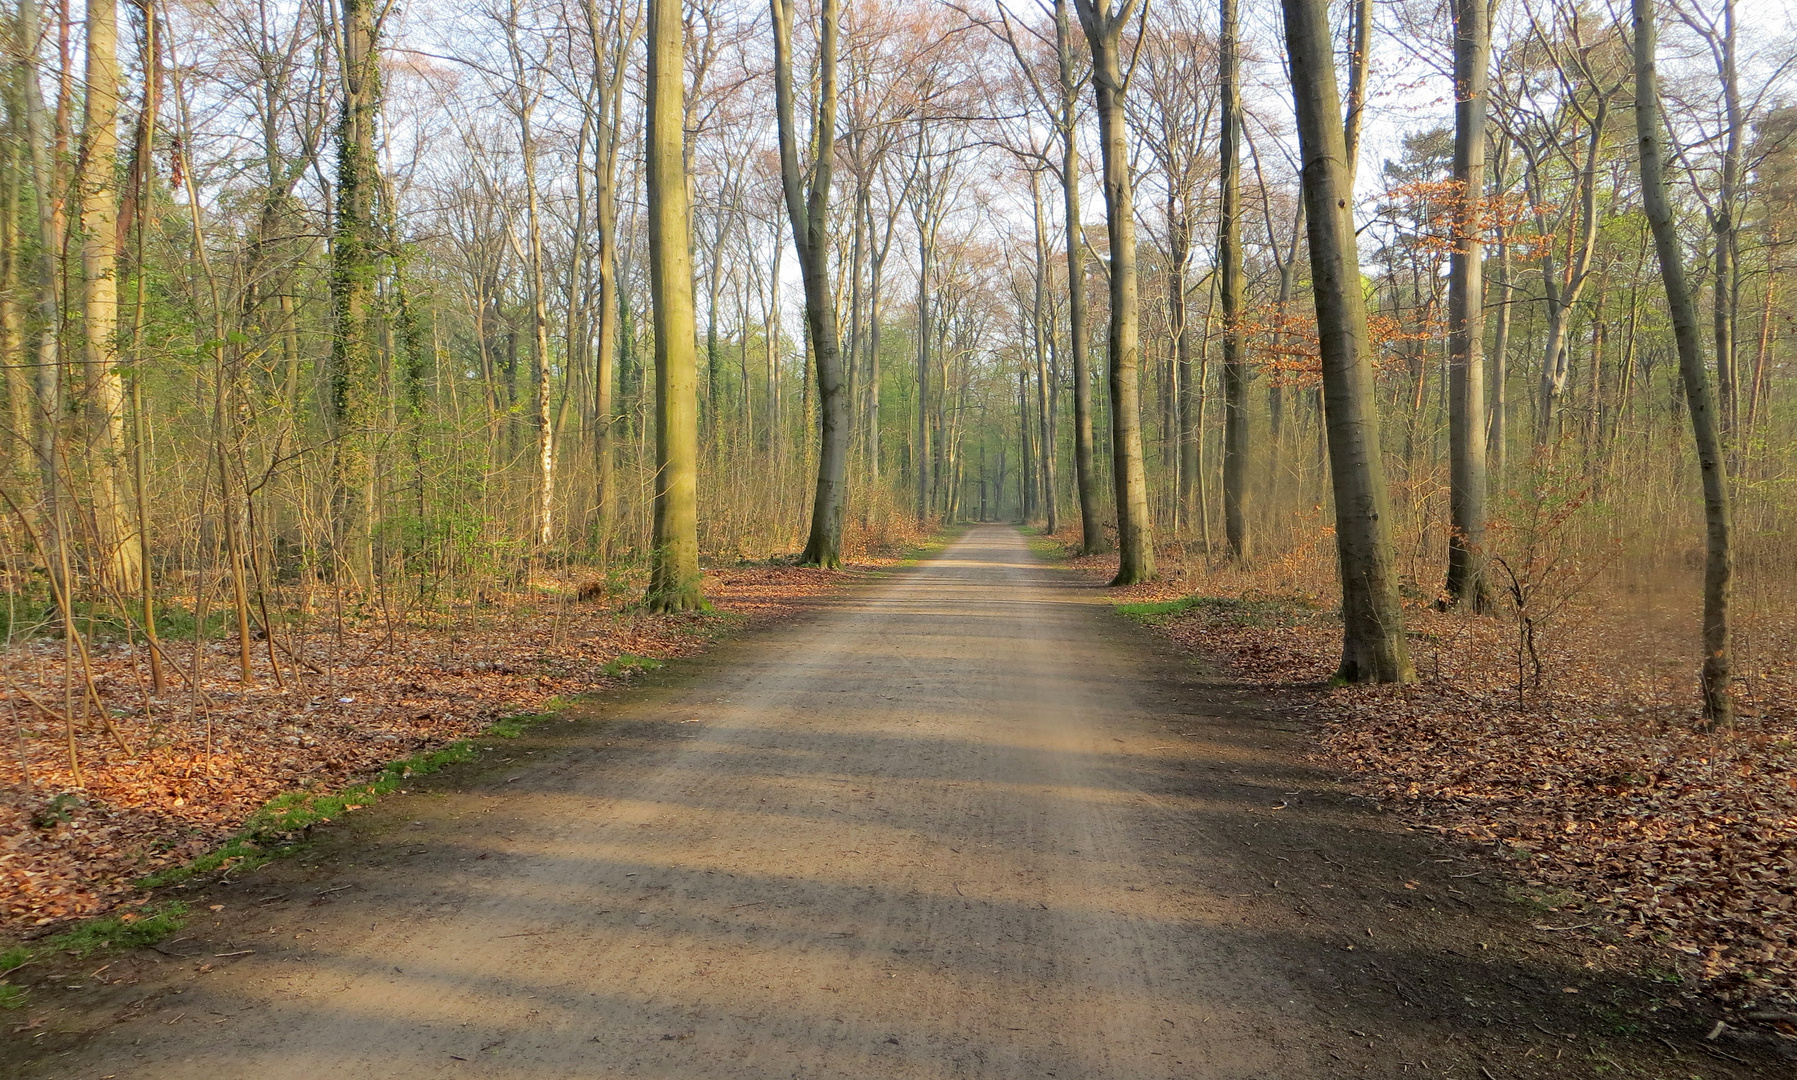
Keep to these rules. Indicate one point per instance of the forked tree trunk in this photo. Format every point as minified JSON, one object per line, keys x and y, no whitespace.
{"x":810,"y":214}
{"x":1718,"y":695}
{"x":1466,"y":582}
{"x":1135,"y":528}
{"x":1373,"y":645}
{"x":674,"y":578}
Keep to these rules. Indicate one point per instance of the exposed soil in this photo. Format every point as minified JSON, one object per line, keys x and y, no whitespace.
{"x":350,"y":697}
{"x":962,"y":823}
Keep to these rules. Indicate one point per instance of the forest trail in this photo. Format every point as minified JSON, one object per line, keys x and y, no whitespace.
{"x":953,"y":826}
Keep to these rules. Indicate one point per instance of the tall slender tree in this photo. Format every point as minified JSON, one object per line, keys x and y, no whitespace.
{"x":1718,"y":567}
{"x":1104,"y":26}
{"x":1236,"y":439}
{"x":1373,"y":644}
{"x":1085,"y":477}
{"x":809,"y":210}
{"x":355,"y":265}
{"x":98,"y":183}
{"x":1466,"y":583}
{"x":674,"y":576}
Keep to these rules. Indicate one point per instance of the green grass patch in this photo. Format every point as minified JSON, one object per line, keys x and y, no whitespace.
{"x":16,"y":957}
{"x":938,"y":542}
{"x":1047,"y":548}
{"x":626,"y":665}
{"x":279,"y":827}
{"x":126,"y":930}
{"x":1244,"y":611}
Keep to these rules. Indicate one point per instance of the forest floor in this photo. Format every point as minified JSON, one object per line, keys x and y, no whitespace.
{"x":185,"y":772}
{"x":1585,"y":779}
{"x":960,"y":822}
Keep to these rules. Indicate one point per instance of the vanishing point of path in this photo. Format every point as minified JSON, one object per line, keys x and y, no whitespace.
{"x":961,"y":823}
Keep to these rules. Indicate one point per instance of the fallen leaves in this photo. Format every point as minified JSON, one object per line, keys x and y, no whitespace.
{"x":203,"y":766}
{"x":1594,"y":787}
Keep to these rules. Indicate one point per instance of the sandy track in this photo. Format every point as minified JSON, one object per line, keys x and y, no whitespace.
{"x":947,"y":828}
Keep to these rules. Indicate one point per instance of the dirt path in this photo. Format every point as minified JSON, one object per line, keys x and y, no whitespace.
{"x":964,"y":824}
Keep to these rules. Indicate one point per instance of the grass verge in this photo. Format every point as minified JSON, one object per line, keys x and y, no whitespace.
{"x":126,"y":930}
{"x":281,"y":825}
{"x":1228,"y":610}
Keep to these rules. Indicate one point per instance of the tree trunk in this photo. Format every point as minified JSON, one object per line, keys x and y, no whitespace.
{"x":810,"y":215}
{"x":1085,"y":476}
{"x":1466,"y":583}
{"x":1135,"y":528}
{"x":1718,"y":694}
{"x":1373,"y":644}
{"x":1498,"y":434}
{"x":1360,"y":62}
{"x":1043,"y":332}
{"x":98,"y":187}
{"x":355,"y":260}
{"x":674,"y":578}
{"x":1236,"y":441}
{"x":46,"y":301}
{"x":1726,"y":229}
{"x":543,"y":511}
{"x":1187,"y":378}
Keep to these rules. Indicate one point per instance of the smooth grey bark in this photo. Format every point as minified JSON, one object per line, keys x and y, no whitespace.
{"x":1085,"y":477}
{"x":1498,"y":431}
{"x":674,"y":578}
{"x":611,"y":43}
{"x":1718,"y":694}
{"x":1373,"y":644}
{"x":1466,"y":581}
{"x":809,"y":210}
{"x":1043,"y":331}
{"x":1236,"y":437}
{"x":1135,"y":527}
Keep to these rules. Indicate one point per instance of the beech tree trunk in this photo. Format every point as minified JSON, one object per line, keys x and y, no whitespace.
{"x":1466,"y":583}
{"x":1236,"y":442}
{"x":1373,"y":644}
{"x":98,"y":187}
{"x":1718,"y":694}
{"x":809,"y":211}
{"x":1044,"y":330}
{"x":1085,"y":477}
{"x":1135,"y":527}
{"x":674,"y":577}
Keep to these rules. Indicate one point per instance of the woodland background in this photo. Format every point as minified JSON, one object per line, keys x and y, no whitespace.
{"x":200,"y":446}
